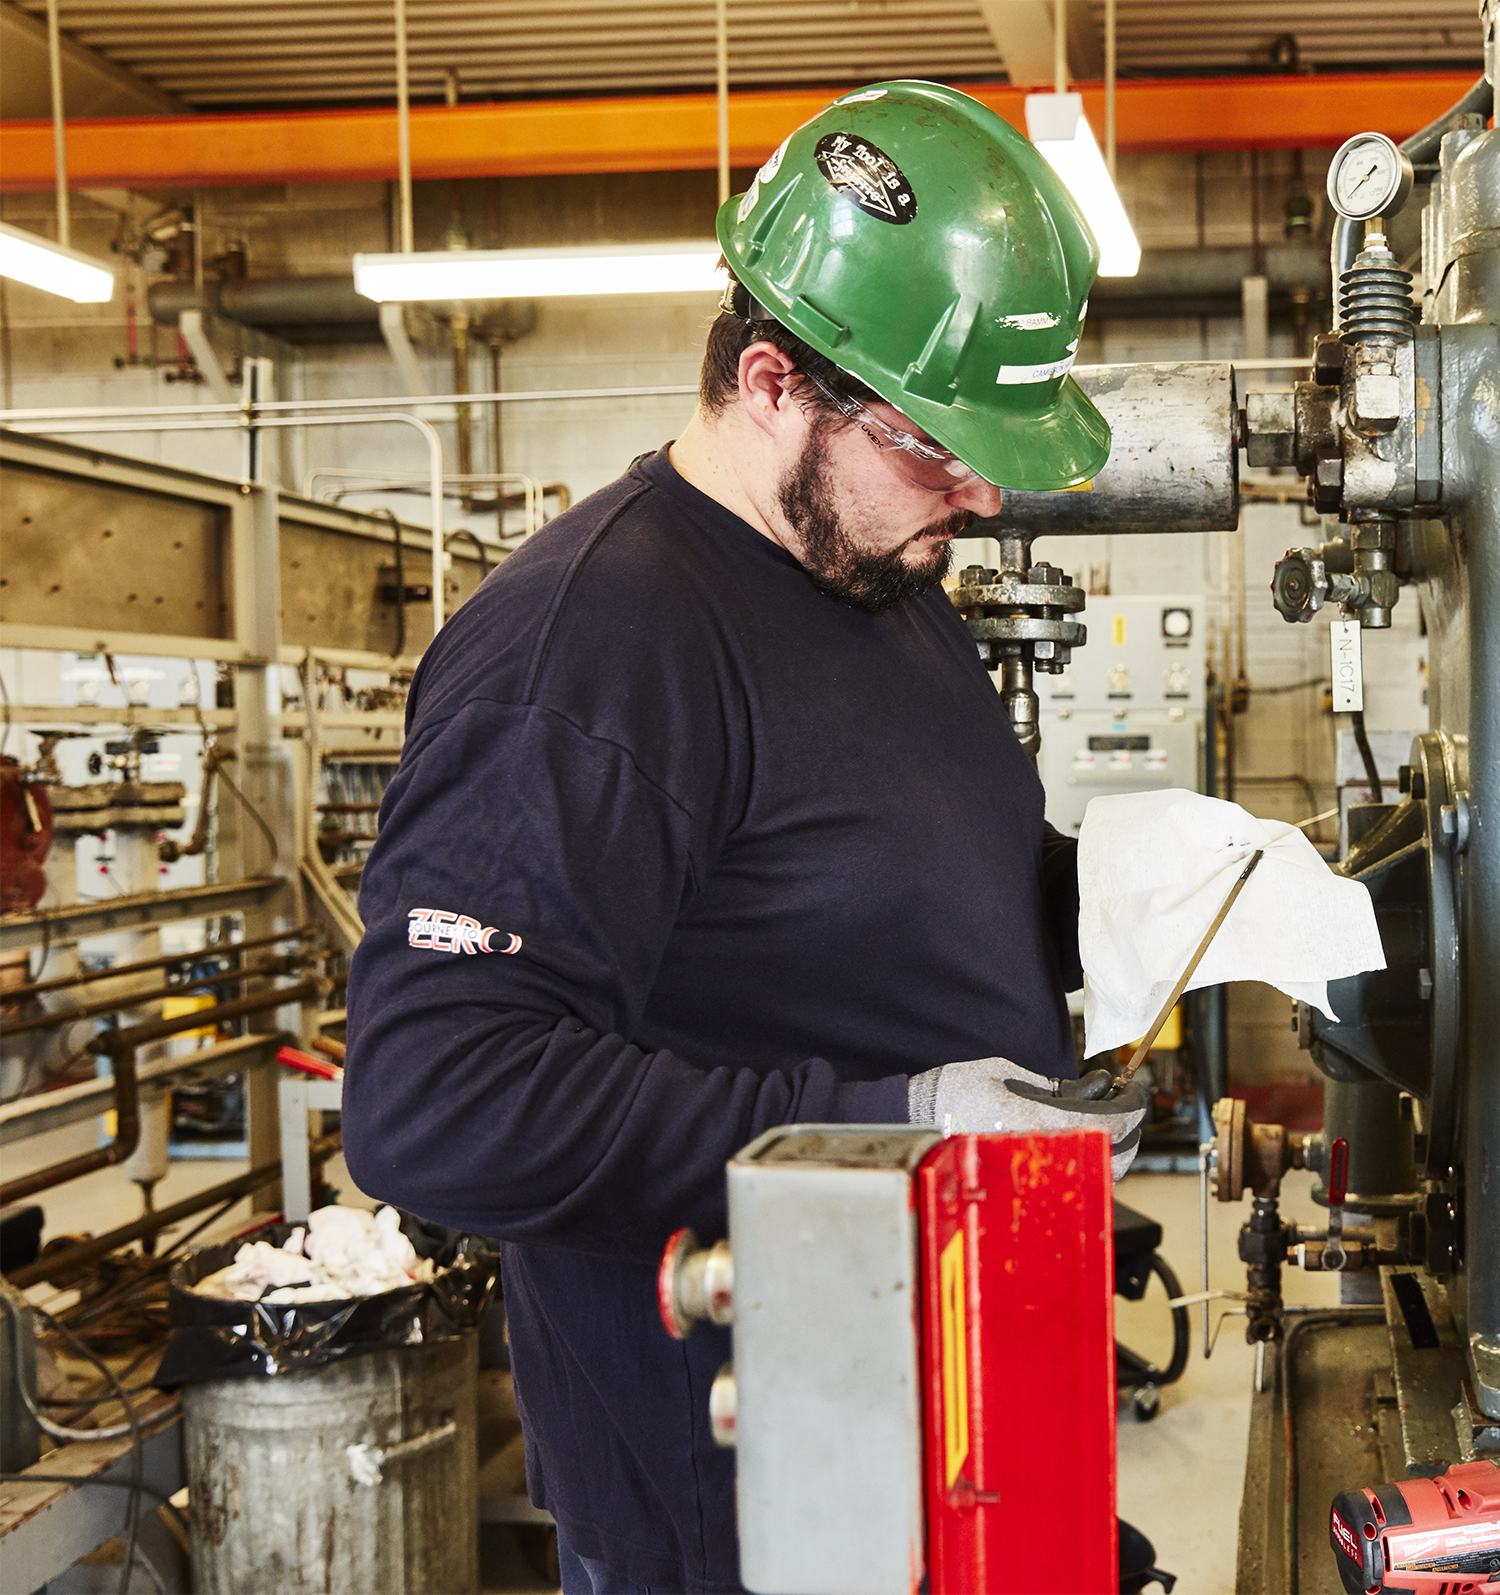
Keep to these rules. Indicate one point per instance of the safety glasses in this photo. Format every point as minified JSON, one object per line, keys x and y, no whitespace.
{"x":922,"y":463}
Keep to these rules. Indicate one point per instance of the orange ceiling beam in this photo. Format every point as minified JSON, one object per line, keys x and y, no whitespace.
{"x":674,"y":132}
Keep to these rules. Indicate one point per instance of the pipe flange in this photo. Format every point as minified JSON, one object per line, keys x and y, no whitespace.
{"x":1028,"y":628}
{"x":1009,"y":594}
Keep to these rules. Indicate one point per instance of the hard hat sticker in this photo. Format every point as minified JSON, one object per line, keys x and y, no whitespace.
{"x":1032,"y":321}
{"x":863,"y":172}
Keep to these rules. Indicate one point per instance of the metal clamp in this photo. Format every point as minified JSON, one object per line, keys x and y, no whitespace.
{"x":367,"y":1462}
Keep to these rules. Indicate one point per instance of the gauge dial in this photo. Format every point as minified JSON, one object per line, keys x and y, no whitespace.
{"x":1369,"y":177}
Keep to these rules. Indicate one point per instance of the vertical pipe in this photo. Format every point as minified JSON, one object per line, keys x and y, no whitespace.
{"x":721,"y":32}
{"x":1110,"y":66}
{"x":198,"y":245}
{"x":403,"y":128}
{"x":1060,"y":45}
{"x":59,"y":132}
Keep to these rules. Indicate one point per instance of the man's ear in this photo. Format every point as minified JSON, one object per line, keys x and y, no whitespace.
{"x":764,"y":395}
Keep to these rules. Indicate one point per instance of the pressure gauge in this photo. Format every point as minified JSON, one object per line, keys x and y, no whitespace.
{"x":1369,"y":177}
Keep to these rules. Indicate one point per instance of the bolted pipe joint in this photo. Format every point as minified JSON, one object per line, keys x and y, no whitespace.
{"x":694,"y":1282}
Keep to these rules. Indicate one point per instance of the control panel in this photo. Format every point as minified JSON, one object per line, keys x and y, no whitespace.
{"x":1127,"y":714}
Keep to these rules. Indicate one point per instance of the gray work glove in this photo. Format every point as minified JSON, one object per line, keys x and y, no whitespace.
{"x":989,"y":1095}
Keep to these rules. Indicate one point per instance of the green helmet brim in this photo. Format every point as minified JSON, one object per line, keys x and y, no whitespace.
{"x":1063,"y":444}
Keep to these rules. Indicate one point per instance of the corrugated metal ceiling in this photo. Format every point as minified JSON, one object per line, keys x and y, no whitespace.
{"x":321,"y":52}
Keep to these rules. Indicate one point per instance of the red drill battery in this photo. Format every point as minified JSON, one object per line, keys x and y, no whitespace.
{"x":1428,"y":1536}
{"x":1018,"y":1364}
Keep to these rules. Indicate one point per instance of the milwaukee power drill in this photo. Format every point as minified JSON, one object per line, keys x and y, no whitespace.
{"x":1437,"y":1535}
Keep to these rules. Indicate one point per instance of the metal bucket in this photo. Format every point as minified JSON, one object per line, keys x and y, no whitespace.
{"x":354,"y":1479}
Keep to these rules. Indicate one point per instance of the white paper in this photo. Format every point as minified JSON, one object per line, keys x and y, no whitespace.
{"x":1154,"y":869}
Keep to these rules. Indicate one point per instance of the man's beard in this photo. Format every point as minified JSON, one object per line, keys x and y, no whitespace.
{"x":834,"y":562}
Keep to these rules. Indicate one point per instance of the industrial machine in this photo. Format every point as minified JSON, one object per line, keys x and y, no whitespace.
{"x":1397,"y":432}
{"x":887,"y":1286}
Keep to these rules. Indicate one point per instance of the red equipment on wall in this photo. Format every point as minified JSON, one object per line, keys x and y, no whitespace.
{"x":1018,"y":1354}
{"x":25,"y":837}
{"x":1427,"y":1536}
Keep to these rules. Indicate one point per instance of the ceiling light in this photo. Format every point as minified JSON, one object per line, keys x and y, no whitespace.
{"x":40,"y":263}
{"x":540,"y":273}
{"x":1055,"y":123}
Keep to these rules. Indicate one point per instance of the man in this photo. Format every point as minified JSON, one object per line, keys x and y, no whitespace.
{"x":709,"y":818}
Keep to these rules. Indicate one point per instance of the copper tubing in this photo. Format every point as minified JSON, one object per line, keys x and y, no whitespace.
{"x":89,"y":1252}
{"x":120,"y":1046}
{"x":213,"y":950}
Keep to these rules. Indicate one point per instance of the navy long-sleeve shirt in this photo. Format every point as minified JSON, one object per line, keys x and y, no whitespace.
{"x":679,"y":848}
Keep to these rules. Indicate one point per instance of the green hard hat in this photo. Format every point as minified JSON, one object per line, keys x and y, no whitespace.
{"x":923,"y":245}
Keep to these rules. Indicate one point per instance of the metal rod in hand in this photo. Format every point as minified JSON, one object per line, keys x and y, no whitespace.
{"x":1141,"y":1051}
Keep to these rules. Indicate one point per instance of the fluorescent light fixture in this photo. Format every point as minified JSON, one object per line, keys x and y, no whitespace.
{"x":40,"y":263}
{"x":540,"y":273}
{"x":1055,"y":123}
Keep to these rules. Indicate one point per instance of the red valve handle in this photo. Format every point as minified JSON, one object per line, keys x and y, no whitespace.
{"x":680,"y":1242}
{"x":1338,"y":1173}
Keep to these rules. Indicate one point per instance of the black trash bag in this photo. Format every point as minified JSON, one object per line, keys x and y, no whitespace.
{"x":214,"y":1339}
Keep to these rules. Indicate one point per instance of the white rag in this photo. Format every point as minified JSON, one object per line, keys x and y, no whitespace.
{"x":1154,"y":869}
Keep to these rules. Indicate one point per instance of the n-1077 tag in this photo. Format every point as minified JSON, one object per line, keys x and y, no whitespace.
{"x":1347,"y":667}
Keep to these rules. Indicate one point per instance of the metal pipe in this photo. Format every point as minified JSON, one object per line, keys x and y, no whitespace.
{"x":213,"y":950}
{"x":403,"y":129}
{"x":18,"y":419}
{"x":120,"y":1046}
{"x":127,"y":1134}
{"x":1111,"y":43}
{"x":721,"y":67}
{"x":267,"y":302}
{"x":1060,"y":46}
{"x":116,"y":1043}
{"x":59,"y":128}
{"x":90,"y":1251}
{"x":136,"y":999}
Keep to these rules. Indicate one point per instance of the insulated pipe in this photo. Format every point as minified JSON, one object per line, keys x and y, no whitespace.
{"x":330,"y":301}
{"x":267,"y":302}
{"x":1173,"y":465}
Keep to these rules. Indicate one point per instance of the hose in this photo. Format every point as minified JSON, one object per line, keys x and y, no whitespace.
{"x":1362,"y":742}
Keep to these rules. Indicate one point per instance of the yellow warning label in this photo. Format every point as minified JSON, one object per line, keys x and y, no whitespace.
{"x":1117,"y":631}
{"x":951,"y":1309}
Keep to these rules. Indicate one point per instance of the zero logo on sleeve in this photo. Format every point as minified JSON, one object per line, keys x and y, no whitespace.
{"x":438,"y":931}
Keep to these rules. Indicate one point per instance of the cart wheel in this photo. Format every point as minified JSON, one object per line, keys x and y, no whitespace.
{"x":1145,"y":1402}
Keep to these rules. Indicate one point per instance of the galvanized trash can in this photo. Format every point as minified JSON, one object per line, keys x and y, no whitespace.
{"x":358,"y":1478}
